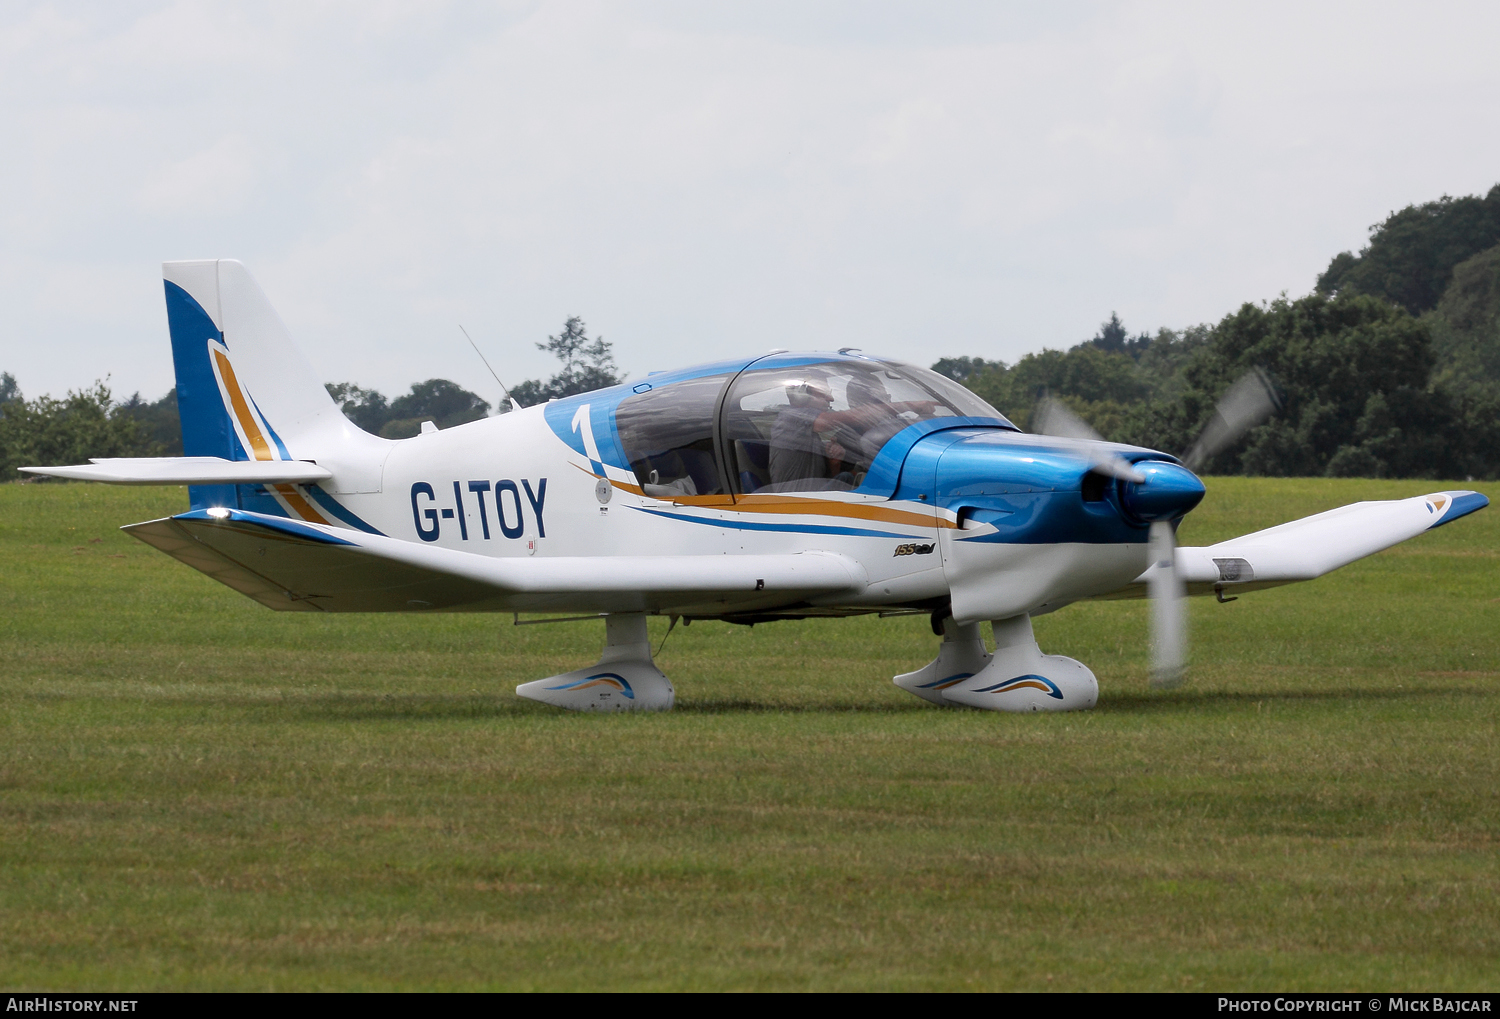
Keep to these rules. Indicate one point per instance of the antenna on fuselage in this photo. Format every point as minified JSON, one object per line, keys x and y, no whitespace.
{"x":514,"y":405}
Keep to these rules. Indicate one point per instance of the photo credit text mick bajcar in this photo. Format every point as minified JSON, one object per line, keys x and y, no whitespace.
{"x":1378,"y":1003}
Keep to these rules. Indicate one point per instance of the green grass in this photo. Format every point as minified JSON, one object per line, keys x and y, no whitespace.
{"x":196,"y":792}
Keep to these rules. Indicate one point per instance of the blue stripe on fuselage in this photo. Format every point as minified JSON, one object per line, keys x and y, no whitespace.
{"x":259,"y":500}
{"x":333,"y":507}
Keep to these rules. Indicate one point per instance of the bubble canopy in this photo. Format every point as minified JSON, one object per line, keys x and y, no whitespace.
{"x":785,"y":424}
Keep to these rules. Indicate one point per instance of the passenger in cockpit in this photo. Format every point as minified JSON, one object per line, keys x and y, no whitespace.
{"x":871,"y":418}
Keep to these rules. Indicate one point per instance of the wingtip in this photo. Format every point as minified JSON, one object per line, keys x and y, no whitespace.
{"x":68,"y":471}
{"x":1449,"y":506}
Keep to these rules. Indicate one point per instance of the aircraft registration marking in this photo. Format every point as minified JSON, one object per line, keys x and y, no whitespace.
{"x":509,"y":513}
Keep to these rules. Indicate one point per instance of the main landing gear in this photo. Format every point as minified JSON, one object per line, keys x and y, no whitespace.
{"x":1017,"y":677}
{"x":624,"y":679}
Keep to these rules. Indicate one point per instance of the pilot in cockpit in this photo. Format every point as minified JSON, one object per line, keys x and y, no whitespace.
{"x":798,"y":454}
{"x":801,"y":459}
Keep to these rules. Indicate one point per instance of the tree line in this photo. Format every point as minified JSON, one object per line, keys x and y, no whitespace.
{"x":90,"y":423}
{"x":587,"y":364}
{"x":1390,"y":368}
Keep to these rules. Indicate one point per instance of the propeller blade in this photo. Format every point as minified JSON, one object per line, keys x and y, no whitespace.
{"x":1168,"y":610}
{"x":1052,"y":417}
{"x":1249,"y":402}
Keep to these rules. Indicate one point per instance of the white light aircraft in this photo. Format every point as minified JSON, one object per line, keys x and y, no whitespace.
{"x":775,"y":487}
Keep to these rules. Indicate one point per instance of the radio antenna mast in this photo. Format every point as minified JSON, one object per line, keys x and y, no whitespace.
{"x":486,"y":363}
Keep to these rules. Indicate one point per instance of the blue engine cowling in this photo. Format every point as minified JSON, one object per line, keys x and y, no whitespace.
{"x":1035,"y":489}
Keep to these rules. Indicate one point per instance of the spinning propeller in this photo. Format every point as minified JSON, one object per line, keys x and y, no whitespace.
{"x":1249,"y":402}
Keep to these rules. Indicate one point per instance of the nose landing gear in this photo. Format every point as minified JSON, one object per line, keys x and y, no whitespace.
{"x":1017,"y":677}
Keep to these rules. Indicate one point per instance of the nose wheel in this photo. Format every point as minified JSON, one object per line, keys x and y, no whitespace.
{"x":1017,"y":677}
{"x":961,"y":656}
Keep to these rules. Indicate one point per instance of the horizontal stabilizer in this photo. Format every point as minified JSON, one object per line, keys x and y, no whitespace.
{"x":1308,"y":548}
{"x":189,"y":470}
{"x":294,"y":566}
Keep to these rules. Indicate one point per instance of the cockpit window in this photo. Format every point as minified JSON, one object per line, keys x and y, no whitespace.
{"x":818,"y":427}
{"x":668,"y":437}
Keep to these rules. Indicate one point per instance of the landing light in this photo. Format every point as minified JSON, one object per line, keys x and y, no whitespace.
{"x":218,"y":512}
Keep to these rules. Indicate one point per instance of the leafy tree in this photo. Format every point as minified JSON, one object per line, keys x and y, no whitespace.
{"x":1162,"y":362}
{"x":438,"y":400}
{"x":1113,"y":338}
{"x":365,"y":407}
{"x":9,"y":390}
{"x":1355,"y":374}
{"x":961,"y":369}
{"x":1097,"y":383}
{"x":587,"y":365}
{"x":1475,"y":447}
{"x":159,"y":420}
{"x":1466,"y":325}
{"x":1410,"y":258}
{"x":1086,"y":371}
{"x":83,"y":425}
{"x":1082,"y":380}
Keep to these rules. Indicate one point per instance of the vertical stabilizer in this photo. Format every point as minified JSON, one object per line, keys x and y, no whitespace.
{"x":193,"y":319}
{"x":244,"y":390}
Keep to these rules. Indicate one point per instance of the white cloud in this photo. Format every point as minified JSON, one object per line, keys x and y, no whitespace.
{"x":698,"y":180}
{"x":214,"y":182}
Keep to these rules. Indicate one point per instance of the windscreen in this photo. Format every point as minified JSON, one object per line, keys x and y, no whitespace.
{"x":818,"y":427}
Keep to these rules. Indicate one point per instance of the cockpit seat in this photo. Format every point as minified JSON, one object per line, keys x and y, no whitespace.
{"x":677,"y":472}
{"x":700,"y":467}
{"x":754,"y":459}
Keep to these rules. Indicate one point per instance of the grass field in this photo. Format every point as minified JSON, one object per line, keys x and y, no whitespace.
{"x":197,"y":793}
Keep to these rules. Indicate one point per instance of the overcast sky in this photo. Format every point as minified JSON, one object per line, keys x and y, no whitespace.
{"x":700,"y":179}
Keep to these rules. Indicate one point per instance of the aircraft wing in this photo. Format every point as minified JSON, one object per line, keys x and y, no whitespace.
{"x":188,"y":470}
{"x":294,"y":566}
{"x":1308,"y":548}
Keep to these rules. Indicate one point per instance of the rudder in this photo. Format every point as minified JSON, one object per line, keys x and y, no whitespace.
{"x":244,"y":391}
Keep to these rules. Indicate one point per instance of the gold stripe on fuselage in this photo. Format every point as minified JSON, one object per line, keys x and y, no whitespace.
{"x":797,"y":505}
{"x":295,"y":500}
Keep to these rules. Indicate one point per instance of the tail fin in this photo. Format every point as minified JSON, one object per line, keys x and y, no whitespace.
{"x":244,"y":391}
